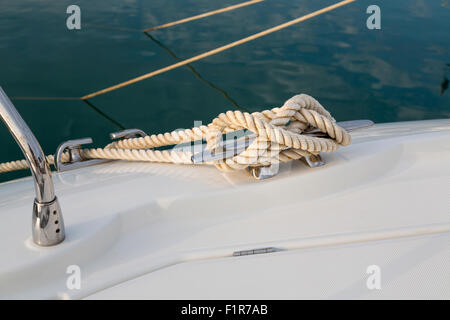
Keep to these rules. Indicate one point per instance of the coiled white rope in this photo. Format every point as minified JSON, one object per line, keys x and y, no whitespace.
{"x":278,"y":138}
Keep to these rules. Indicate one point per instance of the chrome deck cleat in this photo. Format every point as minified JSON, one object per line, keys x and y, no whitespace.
{"x":127,"y":134}
{"x":76,"y":161}
{"x":261,"y":173}
{"x":73,"y":147}
{"x":313,"y":161}
{"x":232,"y":148}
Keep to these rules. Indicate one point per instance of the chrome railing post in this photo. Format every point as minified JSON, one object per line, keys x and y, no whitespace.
{"x":47,"y":220}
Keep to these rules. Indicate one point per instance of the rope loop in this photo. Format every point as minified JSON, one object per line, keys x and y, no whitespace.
{"x":279,"y":133}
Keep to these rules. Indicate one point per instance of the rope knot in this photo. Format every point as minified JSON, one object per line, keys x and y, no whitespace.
{"x":281,"y":133}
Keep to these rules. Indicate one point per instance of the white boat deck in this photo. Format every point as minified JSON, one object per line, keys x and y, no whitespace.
{"x":142,"y":230}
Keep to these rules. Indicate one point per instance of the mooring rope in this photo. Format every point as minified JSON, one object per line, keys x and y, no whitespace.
{"x":203,"y":15}
{"x":279,"y":137}
{"x":46,"y":98}
{"x":220,"y":49}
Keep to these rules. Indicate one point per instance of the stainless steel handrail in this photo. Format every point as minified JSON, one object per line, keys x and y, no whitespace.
{"x":47,"y":220}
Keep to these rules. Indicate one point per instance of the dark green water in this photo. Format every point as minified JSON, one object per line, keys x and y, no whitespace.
{"x":394,"y":74}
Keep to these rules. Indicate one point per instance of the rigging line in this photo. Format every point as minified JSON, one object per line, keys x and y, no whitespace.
{"x":104,"y":115}
{"x":112,"y":28}
{"x":172,"y":54}
{"x":220,"y":49}
{"x":203,"y":15}
{"x":192,"y":69}
{"x":45,"y":98}
{"x":97,"y":110}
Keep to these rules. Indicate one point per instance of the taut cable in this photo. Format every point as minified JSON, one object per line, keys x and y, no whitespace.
{"x":203,"y":15}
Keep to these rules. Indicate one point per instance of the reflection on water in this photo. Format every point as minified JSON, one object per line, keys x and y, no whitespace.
{"x":392,"y":74}
{"x":444,"y":83}
{"x":104,"y":115}
{"x":196,"y":74}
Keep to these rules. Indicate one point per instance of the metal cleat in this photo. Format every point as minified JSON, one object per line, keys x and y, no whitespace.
{"x":314,"y":160}
{"x":261,"y":173}
{"x":73,"y":147}
{"x":230,"y":149}
{"x":127,"y":134}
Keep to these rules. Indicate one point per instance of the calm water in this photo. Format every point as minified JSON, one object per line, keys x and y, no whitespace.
{"x":393,"y":74}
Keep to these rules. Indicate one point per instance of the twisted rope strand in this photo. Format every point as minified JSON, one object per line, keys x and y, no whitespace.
{"x":279,"y":138}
